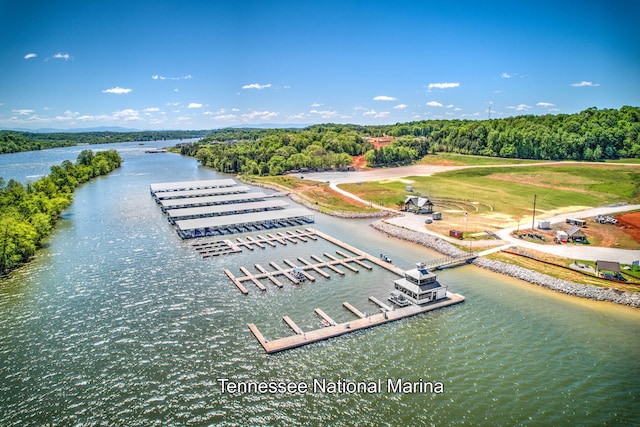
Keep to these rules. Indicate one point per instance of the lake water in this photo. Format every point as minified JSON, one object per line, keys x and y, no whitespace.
{"x":120,"y":322}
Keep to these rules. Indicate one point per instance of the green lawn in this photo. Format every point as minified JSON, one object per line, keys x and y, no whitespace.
{"x":510,"y":190}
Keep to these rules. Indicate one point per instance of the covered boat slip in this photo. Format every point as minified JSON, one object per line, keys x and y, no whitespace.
{"x":227,"y":209}
{"x":193,"y":202}
{"x":191,"y":185}
{"x":229,"y":224}
{"x":203,"y":192}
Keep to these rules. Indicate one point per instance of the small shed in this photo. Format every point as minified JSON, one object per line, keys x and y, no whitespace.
{"x":436,"y":216}
{"x":576,"y":234}
{"x":562,"y":236}
{"x":544,"y":225}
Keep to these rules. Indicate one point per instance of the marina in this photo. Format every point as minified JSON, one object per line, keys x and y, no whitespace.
{"x":221,"y":206}
{"x":297,"y":274}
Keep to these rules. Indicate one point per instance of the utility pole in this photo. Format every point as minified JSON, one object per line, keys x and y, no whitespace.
{"x":533,"y":221}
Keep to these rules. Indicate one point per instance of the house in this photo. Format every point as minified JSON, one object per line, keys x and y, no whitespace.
{"x":576,"y":234}
{"x":418,"y":204}
{"x":420,"y":286}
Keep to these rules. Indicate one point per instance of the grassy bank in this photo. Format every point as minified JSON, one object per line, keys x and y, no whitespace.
{"x":314,"y":192}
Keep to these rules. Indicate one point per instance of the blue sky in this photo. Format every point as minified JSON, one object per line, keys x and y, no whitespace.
{"x":210,"y":64}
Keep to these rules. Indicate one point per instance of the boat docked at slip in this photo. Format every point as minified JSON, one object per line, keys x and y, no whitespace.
{"x":398,"y":299}
{"x":420,"y":286}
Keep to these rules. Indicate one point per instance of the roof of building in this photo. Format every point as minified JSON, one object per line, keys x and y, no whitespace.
{"x":608,"y":266}
{"x":575,"y":231}
{"x":418,"y":201}
{"x":221,"y":198}
{"x":242,"y":219}
{"x":191,"y":185}
{"x":161,"y":195}
{"x":227,"y":209}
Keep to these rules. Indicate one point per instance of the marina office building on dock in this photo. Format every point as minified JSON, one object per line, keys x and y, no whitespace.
{"x":420,"y":286}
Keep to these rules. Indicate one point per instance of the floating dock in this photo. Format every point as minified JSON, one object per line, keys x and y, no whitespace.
{"x":362,"y":322}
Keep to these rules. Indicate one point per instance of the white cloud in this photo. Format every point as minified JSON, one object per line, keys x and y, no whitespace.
{"x":584,"y":83}
{"x":256,"y":86}
{"x":300,"y":116}
{"x":434,"y":104}
{"x":315,"y":105}
{"x":545,"y":104}
{"x":64,"y":56}
{"x":262,"y":115}
{"x":22,"y":112}
{"x":325,"y":114}
{"x":117,"y":90}
{"x":375,"y":114}
{"x":151,"y":109}
{"x":505,"y":75}
{"x":443,"y":85}
{"x":158,"y":77}
{"x":385,"y":98}
{"x":127,"y":115}
{"x":194,"y":105}
{"x":520,"y":107}
{"x":400,"y":106}
{"x":30,"y":55}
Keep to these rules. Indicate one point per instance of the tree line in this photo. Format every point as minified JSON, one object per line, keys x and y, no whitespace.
{"x":275,"y":151}
{"x":591,"y":135}
{"x":14,"y":141}
{"x":28,"y":212}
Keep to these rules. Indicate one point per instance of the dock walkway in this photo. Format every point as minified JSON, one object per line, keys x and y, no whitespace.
{"x":335,"y":330}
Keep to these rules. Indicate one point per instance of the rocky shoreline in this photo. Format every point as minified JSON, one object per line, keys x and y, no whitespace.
{"x":533,"y":277}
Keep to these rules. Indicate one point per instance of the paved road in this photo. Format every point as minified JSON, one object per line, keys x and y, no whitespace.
{"x":581,"y":252}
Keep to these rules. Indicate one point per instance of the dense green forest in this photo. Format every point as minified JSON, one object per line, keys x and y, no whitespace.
{"x":590,"y":135}
{"x":13,"y":141}
{"x":29,"y":212}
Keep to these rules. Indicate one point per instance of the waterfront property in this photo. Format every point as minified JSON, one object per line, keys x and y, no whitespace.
{"x":420,"y":286}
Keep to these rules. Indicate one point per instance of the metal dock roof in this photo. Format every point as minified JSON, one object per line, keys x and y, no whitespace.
{"x":203,"y":192}
{"x":212,"y":200}
{"x":233,"y":208}
{"x":191,"y":185}
{"x":191,"y":227}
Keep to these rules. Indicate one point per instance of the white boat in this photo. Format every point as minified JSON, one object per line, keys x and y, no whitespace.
{"x":398,"y":299}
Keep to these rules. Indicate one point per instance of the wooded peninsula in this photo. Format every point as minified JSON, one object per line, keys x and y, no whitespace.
{"x":591,"y":135}
{"x":29,"y":212}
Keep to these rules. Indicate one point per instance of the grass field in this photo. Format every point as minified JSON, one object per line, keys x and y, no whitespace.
{"x":510,"y":191}
{"x":315,"y":192}
{"x":452,"y":159}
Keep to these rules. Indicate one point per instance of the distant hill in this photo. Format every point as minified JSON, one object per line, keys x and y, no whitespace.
{"x":78,"y":130}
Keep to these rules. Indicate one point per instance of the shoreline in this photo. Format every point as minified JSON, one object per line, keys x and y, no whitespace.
{"x":530,"y":276}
